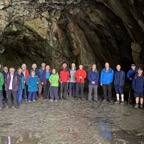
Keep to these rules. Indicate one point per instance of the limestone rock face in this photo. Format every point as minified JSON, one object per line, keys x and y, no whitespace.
{"x":78,"y":31}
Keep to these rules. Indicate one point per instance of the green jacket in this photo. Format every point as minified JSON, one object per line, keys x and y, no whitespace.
{"x":1,"y":80}
{"x":54,"y":80}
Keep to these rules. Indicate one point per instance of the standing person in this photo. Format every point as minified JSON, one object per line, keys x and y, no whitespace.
{"x":54,"y":82}
{"x":11,"y":86}
{"x":72,"y":83}
{"x":4,"y":72}
{"x":130,"y":75}
{"x":80,"y":79}
{"x":119,"y":79}
{"x":45,"y":81}
{"x":64,"y":79}
{"x":26,"y":75}
{"x":138,"y":88}
{"x":1,"y":93}
{"x":106,"y":80}
{"x":41,"y":70}
{"x":21,"y":85}
{"x":32,"y":83}
{"x":34,"y":67}
{"x":93,"y":78}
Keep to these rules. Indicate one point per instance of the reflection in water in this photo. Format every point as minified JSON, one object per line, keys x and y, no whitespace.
{"x":5,"y":140}
{"x":105,"y":131}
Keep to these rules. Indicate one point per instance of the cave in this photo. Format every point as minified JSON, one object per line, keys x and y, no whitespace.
{"x":79,"y":31}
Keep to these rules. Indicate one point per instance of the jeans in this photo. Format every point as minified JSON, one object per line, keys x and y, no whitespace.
{"x":72,"y":88}
{"x":19,"y":96}
{"x":32,"y":96}
{"x":80,"y":87}
{"x":107,"y":89}
{"x":91,"y":88}
{"x":26,"y":92}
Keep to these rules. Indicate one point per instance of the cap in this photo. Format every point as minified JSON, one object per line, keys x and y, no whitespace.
{"x":133,"y":65}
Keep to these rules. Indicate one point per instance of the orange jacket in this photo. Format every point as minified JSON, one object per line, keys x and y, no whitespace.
{"x":80,"y":73}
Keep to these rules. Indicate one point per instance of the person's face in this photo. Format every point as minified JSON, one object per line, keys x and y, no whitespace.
{"x":47,"y":67}
{"x":53,"y":71}
{"x":43,"y":65}
{"x":32,"y":73}
{"x":64,"y":65}
{"x":34,"y":66}
{"x":107,"y":65}
{"x":140,"y":72}
{"x":5,"y":69}
{"x":73,"y":65}
{"x":23,"y":67}
{"x":93,"y":66}
{"x":20,"y":71}
{"x":118,"y":67}
{"x":133,"y":67}
{"x":12,"y":71}
{"x":80,"y":67}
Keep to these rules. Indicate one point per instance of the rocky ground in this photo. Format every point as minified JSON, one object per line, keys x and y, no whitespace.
{"x":72,"y":122}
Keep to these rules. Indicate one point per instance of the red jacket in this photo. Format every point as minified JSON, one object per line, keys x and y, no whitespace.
{"x":64,"y":76}
{"x":26,"y":74}
{"x":80,"y":73}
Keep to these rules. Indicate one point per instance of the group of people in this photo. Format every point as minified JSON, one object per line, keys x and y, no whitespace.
{"x":55,"y":85}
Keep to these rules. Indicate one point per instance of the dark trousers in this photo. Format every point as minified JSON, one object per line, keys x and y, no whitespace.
{"x":119,"y":89}
{"x":26,"y":92}
{"x":32,"y":96}
{"x":1,"y":99}
{"x":12,"y":96}
{"x":80,"y":88}
{"x":107,"y":90}
{"x":4,"y":92}
{"x":46,"y":89}
{"x":72,"y":88}
{"x":64,"y":89}
{"x":54,"y":93}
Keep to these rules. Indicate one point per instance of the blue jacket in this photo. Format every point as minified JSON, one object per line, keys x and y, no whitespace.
{"x":93,"y":76}
{"x":131,"y":73}
{"x":119,"y":78}
{"x":4,"y":74}
{"x":40,"y":73}
{"x":138,"y":84}
{"x":22,"y":79}
{"x":32,"y":83}
{"x":107,"y":76}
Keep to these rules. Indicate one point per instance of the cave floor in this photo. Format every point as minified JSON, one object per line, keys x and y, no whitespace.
{"x":72,"y":122}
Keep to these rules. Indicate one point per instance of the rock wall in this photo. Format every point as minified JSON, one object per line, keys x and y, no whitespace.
{"x":81,"y":31}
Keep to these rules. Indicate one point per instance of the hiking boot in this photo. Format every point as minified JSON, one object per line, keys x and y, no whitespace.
{"x":34,"y":100}
{"x":55,"y":100}
{"x":51,"y":100}
{"x":76,"y":98}
{"x":117,"y":102}
{"x":141,"y":106}
{"x":122,"y":102}
{"x":83,"y":99}
{"x":136,"y":106}
{"x":29,"y":101}
{"x":104,"y":100}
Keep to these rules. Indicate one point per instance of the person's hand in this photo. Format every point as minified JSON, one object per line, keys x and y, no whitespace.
{"x":24,"y":82}
{"x":93,"y":82}
{"x":80,"y":77}
{"x":60,"y":81}
{"x":130,"y":78}
{"x":42,"y":83}
{"x":101,"y":84}
{"x":37,"y":82}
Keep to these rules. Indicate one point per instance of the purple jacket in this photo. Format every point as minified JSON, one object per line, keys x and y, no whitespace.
{"x":15,"y":85}
{"x":44,"y":77}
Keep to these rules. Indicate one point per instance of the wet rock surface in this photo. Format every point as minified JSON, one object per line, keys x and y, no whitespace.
{"x":72,"y":122}
{"x":78,"y":31}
